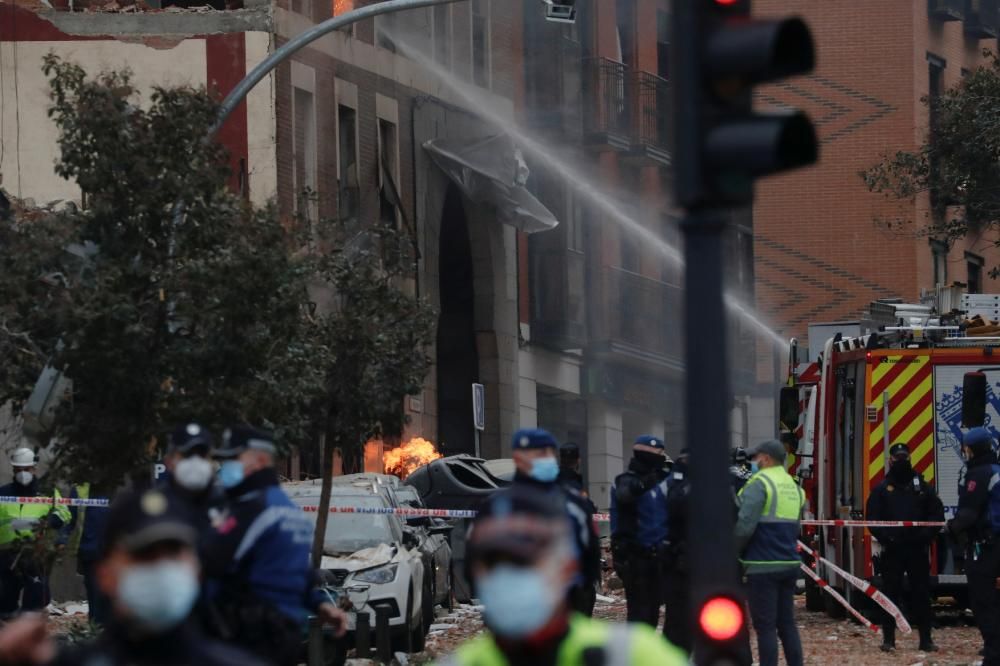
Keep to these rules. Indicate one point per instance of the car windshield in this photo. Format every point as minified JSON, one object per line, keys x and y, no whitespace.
{"x":408,"y":495}
{"x":350,"y":532}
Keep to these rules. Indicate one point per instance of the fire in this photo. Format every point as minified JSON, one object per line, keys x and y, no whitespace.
{"x":409,"y":456}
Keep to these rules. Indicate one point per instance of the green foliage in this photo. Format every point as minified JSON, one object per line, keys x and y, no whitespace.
{"x":958,"y":162}
{"x":210,"y":319}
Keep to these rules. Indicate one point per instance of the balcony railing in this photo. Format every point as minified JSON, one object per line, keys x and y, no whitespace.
{"x":946,"y":10}
{"x":643,"y":314}
{"x":982,"y":19}
{"x":651,"y":131}
{"x":607,"y":118}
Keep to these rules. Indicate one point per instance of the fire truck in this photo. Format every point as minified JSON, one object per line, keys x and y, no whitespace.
{"x":896,"y":376}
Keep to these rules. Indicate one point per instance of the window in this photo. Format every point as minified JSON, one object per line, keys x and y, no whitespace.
{"x":388,"y":153}
{"x":935,"y":86}
{"x":347,"y":132}
{"x":625,"y":14}
{"x":481,"y":43}
{"x":939,"y":251}
{"x":663,"y":44}
{"x":574,"y":222}
{"x":304,"y":151}
{"x":670,"y":270}
{"x":442,"y":35}
{"x":974,"y":264}
{"x":629,"y":252}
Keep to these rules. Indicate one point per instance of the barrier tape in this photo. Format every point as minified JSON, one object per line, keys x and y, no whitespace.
{"x":870,"y":590}
{"x":825,"y":586}
{"x":873,"y":523}
{"x":63,"y":501}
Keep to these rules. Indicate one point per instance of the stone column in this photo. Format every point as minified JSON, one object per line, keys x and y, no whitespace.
{"x":604,"y":450}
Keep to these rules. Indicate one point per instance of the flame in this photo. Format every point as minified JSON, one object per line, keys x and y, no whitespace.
{"x":342,"y":6}
{"x":409,"y":456}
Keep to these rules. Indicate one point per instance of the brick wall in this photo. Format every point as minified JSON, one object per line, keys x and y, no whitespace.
{"x":819,"y":254}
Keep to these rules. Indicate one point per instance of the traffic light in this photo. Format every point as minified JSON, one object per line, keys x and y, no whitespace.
{"x":720,"y":144}
{"x":721,"y":618}
{"x":722,"y":624}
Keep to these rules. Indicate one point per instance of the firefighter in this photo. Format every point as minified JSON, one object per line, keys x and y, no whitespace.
{"x":535,"y":464}
{"x":27,"y":532}
{"x":521,"y":560}
{"x":976,"y":528}
{"x":904,"y":495}
{"x":639,"y":529}
{"x":767,"y":532}
{"x":262,"y":587}
{"x":740,"y":471}
{"x":791,"y":443}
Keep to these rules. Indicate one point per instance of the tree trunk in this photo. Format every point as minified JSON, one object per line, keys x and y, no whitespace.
{"x":326,"y":445}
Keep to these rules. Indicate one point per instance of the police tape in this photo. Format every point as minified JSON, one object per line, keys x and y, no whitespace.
{"x":825,"y":586}
{"x":870,"y":590}
{"x":873,"y":523}
{"x":61,"y":501}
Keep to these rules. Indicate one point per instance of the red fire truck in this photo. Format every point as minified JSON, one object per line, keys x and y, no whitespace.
{"x":901,"y":382}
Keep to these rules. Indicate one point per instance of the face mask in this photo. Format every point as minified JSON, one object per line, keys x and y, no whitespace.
{"x":24,"y":478}
{"x":650,"y":459}
{"x":901,"y":468}
{"x":754,"y":467}
{"x":158,"y":596}
{"x":231,"y":473}
{"x":545,"y":470}
{"x":518,"y":601}
{"x":194,"y":473}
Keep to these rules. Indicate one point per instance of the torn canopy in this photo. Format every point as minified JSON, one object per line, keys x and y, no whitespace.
{"x":492,"y":172}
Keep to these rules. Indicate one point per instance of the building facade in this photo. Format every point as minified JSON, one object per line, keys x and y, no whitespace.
{"x":575,"y":328}
{"x":821,"y":253}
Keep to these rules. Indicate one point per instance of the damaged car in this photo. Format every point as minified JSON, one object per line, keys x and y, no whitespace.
{"x":372,"y":559}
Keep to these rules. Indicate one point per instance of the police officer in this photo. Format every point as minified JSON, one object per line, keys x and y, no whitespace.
{"x":904,"y":495}
{"x":569,"y":467}
{"x":24,"y":583}
{"x":262,"y":586}
{"x":190,"y":473}
{"x":677,"y":576}
{"x":639,"y":529}
{"x":149,"y":570}
{"x":521,"y":560}
{"x":767,"y":531}
{"x":976,"y":527}
{"x":535,"y":465}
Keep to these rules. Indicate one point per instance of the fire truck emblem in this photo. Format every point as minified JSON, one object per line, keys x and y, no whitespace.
{"x":949,"y":421}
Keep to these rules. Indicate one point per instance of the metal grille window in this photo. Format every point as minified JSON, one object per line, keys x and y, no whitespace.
{"x":481,"y":43}
{"x":388,"y":173}
{"x":347,"y":131}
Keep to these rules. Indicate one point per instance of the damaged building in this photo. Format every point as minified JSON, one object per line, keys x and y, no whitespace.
{"x":521,"y":178}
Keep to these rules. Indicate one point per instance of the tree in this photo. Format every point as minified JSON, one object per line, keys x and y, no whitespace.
{"x":154,"y":323}
{"x":379,"y":334}
{"x":958,"y":163}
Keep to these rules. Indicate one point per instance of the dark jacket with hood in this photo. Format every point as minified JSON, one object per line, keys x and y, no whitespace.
{"x":904,"y":495}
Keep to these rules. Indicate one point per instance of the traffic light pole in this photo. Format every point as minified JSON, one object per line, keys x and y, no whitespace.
{"x":710,"y":538}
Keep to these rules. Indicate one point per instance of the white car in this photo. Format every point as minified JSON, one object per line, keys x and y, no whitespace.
{"x":372,"y":559}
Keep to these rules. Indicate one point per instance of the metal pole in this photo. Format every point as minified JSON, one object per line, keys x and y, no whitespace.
{"x":713,"y":552}
{"x":257,"y":74}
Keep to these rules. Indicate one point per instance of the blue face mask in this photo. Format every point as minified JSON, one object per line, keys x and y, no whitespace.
{"x":517,"y":601}
{"x":545,"y":470}
{"x":231,"y":473}
{"x":158,"y":596}
{"x":754,"y":467}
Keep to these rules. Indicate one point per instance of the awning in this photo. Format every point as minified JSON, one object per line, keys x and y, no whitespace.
{"x":491,"y":171}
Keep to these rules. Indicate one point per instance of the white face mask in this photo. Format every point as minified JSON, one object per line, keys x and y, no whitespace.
{"x":194,"y":473}
{"x":159,"y":595}
{"x":24,"y":478}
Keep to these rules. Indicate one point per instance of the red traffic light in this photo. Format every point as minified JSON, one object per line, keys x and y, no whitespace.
{"x":726,"y":3}
{"x":721,"y":618}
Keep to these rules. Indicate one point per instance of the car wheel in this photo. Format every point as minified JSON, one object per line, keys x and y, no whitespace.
{"x":428,"y":606}
{"x":416,"y":633}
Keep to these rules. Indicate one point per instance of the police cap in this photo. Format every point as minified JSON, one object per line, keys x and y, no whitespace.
{"x":240,"y":438}
{"x":517,"y":523}
{"x":187,"y":437}
{"x":139,"y":520}
{"x":533,"y":438}
{"x":978,"y":439}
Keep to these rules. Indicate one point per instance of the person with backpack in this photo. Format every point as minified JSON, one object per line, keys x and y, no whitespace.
{"x":976,"y":527}
{"x":904,"y":495}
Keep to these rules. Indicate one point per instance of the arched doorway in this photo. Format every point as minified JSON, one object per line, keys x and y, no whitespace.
{"x":457,"y":357}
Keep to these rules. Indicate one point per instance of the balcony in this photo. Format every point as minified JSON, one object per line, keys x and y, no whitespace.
{"x":651,"y":124}
{"x":607,"y":117}
{"x":946,"y":10}
{"x":981,"y":19}
{"x":558,"y":291}
{"x":641,"y":322}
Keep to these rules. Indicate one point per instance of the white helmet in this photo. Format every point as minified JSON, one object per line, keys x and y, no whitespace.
{"x":23,"y":457}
